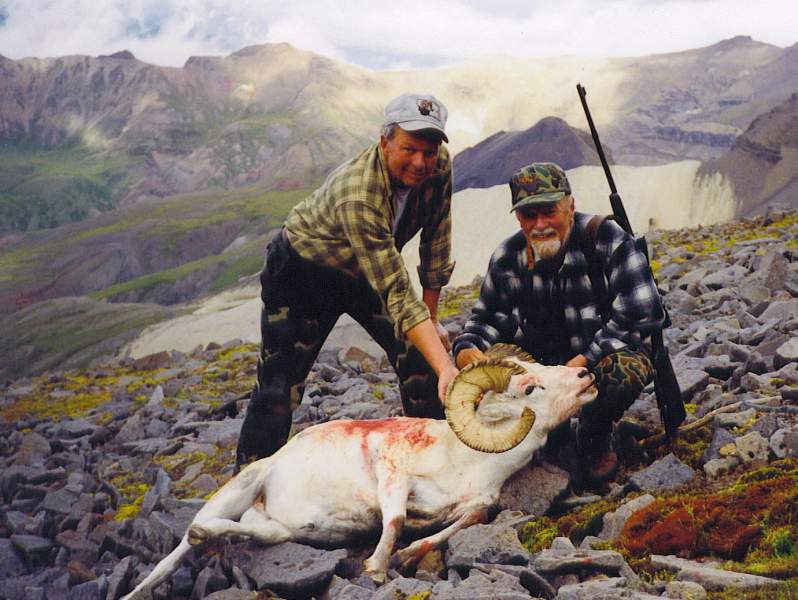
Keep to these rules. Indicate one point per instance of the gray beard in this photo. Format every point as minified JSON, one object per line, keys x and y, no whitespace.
{"x":544,"y":250}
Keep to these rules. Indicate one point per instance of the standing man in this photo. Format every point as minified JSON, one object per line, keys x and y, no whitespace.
{"x":339,"y":252}
{"x":538,"y":293}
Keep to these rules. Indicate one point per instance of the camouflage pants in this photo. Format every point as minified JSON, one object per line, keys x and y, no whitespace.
{"x":301,"y":303}
{"x":620,"y":377}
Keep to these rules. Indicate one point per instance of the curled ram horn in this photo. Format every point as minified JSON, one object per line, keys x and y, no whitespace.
{"x":463,"y":396}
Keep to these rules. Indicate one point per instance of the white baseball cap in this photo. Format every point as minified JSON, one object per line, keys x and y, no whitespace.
{"x":414,"y":112}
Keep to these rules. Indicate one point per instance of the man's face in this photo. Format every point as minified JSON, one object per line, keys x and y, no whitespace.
{"x":546,"y":226}
{"x":411,"y":158}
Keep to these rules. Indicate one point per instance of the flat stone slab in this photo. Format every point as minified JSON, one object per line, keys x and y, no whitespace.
{"x":708,"y":576}
{"x":290,"y":569}
{"x":605,"y":589}
{"x":494,"y":543}
{"x":666,"y":473}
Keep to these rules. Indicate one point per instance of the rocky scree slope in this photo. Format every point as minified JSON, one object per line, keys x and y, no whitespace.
{"x":101,"y":469}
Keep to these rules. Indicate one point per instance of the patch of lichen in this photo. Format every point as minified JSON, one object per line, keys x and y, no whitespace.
{"x":538,"y":535}
{"x":753,"y":522}
{"x":176,"y":466}
{"x":787,"y":590}
{"x":131,"y":491}
{"x":42,"y":404}
{"x":575,"y":524}
{"x":457,"y":300}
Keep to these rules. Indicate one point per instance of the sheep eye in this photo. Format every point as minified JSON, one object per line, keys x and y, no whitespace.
{"x":531,"y":388}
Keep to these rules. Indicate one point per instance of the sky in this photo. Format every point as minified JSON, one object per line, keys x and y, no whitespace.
{"x":412,"y":34}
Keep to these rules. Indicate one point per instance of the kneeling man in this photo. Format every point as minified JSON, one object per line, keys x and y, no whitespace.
{"x":538,"y":293}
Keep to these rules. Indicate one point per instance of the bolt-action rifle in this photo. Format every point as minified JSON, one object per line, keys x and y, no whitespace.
{"x":669,"y":397}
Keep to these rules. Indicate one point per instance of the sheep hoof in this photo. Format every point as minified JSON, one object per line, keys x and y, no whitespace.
{"x":198,"y":535}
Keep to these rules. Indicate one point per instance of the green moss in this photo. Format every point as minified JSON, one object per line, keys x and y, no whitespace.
{"x":538,"y":535}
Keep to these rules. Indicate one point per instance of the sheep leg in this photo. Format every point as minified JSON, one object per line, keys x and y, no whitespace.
{"x":409,"y":557}
{"x":392,"y":492}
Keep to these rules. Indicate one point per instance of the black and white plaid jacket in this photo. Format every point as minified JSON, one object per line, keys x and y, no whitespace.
{"x":553,"y":314}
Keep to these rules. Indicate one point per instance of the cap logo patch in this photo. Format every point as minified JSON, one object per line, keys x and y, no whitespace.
{"x":427,"y":108}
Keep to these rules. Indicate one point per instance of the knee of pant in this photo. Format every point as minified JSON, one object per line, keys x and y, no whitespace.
{"x":624,"y":372}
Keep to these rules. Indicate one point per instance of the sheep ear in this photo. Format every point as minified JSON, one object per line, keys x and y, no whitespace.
{"x":503,"y":351}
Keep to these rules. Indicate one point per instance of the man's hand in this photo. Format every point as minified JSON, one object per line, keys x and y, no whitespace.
{"x":466,"y":356}
{"x":444,"y":379}
{"x":443,"y":335}
{"x":580,"y":360}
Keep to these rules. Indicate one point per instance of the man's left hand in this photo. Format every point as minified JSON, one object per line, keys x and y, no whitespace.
{"x":580,"y":360}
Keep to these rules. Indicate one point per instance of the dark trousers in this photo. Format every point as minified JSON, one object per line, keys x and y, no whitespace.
{"x":301,"y":303}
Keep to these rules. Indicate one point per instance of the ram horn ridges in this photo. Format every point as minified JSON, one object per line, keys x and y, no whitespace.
{"x":463,"y":397}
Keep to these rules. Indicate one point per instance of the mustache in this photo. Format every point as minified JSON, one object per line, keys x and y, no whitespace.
{"x":548,"y":232}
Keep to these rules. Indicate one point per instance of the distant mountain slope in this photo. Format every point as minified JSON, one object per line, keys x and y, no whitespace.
{"x":495,"y":159}
{"x":80,"y":135}
{"x":763,"y":163}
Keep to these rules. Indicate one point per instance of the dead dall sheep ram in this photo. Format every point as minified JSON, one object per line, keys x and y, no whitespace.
{"x":345,"y":478}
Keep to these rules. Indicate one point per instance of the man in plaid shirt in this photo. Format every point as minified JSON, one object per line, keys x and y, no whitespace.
{"x":339,"y":252}
{"x":538,"y":293}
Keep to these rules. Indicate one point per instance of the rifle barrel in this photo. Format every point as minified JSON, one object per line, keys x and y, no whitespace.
{"x":615,"y":198}
{"x":596,"y":141}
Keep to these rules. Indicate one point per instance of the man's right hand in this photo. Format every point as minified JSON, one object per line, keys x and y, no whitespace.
{"x":466,"y":356}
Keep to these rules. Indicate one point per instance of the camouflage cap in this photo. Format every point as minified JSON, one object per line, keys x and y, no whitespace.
{"x":538,"y":183}
{"x":414,"y":112}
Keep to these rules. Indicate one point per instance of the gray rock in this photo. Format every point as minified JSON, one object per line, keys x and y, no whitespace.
{"x":726,"y":277}
{"x":232,"y":594}
{"x":602,"y":589}
{"x":563,"y":561}
{"x":60,"y":501}
{"x":290,"y":569}
{"x":10,"y":563}
{"x":691,"y":381}
{"x":89,"y":590}
{"x":132,"y":430}
{"x":534,"y":489}
{"x":708,"y":576}
{"x":614,"y":521}
{"x":773,"y":270}
{"x":156,"y":493}
{"x":717,"y":467}
{"x":223,"y":433}
{"x":664,"y":474}
{"x":341,"y":589}
{"x":720,"y":437}
{"x":210,"y":579}
{"x":35,"y":551}
{"x":120,"y":579}
{"x":363,"y":411}
{"x":33,"y":450}
{"x":753,"y":293}
{"x":786,"y":353}
{"x":493,"y":543}
{"x":780,"y":311}
{"x":492,"y":585}
{"x":752,"y":448}
{"x":735,"y":419}
{"x":402,"y":587}
{"x":75,"y":428}
{"x":685,"y":590}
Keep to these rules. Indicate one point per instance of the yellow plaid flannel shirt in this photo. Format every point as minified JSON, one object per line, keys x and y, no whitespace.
{"x":347,"y":223}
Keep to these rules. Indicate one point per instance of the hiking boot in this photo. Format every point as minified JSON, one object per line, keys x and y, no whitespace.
{"x":600,"y":466}
{"x":599,"y":462}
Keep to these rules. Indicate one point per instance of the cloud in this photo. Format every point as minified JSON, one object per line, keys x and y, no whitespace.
{"x":411,"y":34}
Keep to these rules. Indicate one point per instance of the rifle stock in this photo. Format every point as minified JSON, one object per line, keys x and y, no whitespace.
{"x":666,"y":386}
